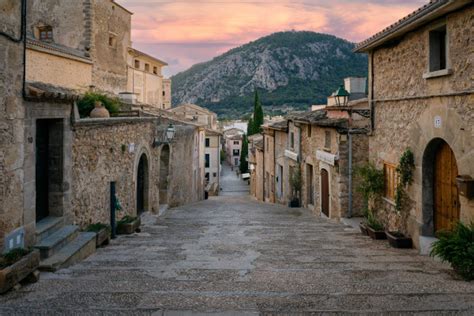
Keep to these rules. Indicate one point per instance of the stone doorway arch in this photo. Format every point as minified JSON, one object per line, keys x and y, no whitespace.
{"x":142,"y":185}
{"x":441,"y":207}
{"x":164,"y":174}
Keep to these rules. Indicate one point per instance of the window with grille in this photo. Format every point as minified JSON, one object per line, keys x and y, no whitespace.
{"x":390,"y":180}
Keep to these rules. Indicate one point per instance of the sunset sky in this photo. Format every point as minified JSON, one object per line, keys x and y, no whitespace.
{"x":186,"y":32}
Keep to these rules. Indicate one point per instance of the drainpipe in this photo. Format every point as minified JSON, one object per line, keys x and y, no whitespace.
{"x":349,"y":215}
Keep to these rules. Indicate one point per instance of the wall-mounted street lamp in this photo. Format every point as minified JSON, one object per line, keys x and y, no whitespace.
{"x":168,"y":136}
{"x":341,"y":96}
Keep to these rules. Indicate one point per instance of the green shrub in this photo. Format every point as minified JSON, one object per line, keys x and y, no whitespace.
{"x":457,"y":248}
{"x":97,"y":227}
{"x":373,"y":222}
{"x":87,"y":103}
{"x":12,"y":256}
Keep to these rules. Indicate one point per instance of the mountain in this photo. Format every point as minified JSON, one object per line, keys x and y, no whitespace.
{"x":289,"y":69}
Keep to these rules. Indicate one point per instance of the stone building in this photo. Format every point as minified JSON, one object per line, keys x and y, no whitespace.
{"x":233,"y":146}
{"x":90,"y":42}
{"x":145,"y":79}
{"x":256,"y":156}
{"x":197,"y":114}
{"x":421,"y":89}
{"x":274,"y":145}
{"x":212,"y":161}
{"x":166,"y":94}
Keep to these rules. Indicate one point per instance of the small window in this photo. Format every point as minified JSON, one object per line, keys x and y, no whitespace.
{"x":236,"y":152}
{"x":214,"y":174}
{"x":292,"y":140}
{"x":155,"y":70}
{"x":236,"y":142}
{"x":207,"y":142}
{"x":45,"y":33}
{"x":147,"y":67}
{"x":267,"y":145}
{"x":112,"y":40}
{"x":164,"y":93}
{"x":438,"y":49}
{"x":327,"y":140}
{"x":390,"y":180}
{"x":208,"y":161}
{"x":309,"y":130}
{"x":137,"y":64}
{"x":207,"y":176}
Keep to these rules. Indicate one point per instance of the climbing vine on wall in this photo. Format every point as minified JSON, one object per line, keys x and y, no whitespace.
{"x":405,"y":172}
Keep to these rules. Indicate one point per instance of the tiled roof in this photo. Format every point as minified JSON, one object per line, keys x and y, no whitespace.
{"x":55,"y":47}
{"x":320,"y":118}
{"x":37,"y":91}
{"x":409,"y":22}
{"x":279,"y":125}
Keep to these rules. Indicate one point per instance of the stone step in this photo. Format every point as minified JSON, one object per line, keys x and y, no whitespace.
{"x":47,"y":226}
{"x":78,"y":249}
{"x":51,"y":244}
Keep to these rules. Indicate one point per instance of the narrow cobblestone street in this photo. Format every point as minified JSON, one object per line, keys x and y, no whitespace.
{"x":230,"y":255}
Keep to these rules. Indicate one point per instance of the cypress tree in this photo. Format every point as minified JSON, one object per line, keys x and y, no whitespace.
{"x":258,"y":114}
{"x":250,"y":127}
{"x":244,"y":165}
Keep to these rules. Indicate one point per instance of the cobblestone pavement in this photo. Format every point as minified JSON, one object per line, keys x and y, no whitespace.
{"x":234,"y":256}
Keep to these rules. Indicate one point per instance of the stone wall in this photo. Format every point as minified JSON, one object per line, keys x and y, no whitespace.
{"x":11,"y":120}
{"x":268,"y":165}
{"x":110,"y":150}
{"x":407,"y":107}
{"x":67,"y":72}
{"x":110,"y":62}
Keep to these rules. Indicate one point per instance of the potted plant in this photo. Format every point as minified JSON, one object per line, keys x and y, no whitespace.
{"x":397,"y":239}
{"x":17,"y":265}
{"x":102,"y":233}
{"x":128,"y":225}
{"x":374,"y":227}
{"x":457,"y":248}
{"x":370,"y":185}
{"x":295,"y":183}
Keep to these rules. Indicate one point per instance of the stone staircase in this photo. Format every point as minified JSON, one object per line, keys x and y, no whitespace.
{"x":62,"y":246}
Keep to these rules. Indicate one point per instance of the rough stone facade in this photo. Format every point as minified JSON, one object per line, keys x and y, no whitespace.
{"x":110,"y":150}
{"x":268,"y":164}
{"x":12,"y":115}
{"x":414,"y":111}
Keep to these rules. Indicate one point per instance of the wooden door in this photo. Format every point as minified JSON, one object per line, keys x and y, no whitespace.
{"x":310,"y":186}
{"x":325,"y":192}
{"x":446,"y":198}
{"x":141,"y":178}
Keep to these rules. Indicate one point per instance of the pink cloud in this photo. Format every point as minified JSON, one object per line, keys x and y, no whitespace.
{"x":163,"y":28}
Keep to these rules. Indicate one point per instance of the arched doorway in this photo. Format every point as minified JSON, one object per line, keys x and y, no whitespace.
{"x":441,"y":208}
{"x":142,"y":185}
{"x":164,"y":174}
{"x":325,"y":192}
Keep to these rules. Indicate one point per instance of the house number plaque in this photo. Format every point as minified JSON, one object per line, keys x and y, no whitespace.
{"x":437,"y":122}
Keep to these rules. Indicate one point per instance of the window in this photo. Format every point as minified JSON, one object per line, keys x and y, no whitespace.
{"x":236,"y":161}
{"x":309,"y":131}
{"x":390,"y":180}
{"x":236,"y":142}
{"x":137,"y":64}
{"x":292,"y":140}
{"x":147,"y":67}
{"x":438,"y":49}
{"x":207,"y":176}
{"x":164,"y":93}
{"x":236,"y":152}
{"x":155,"y":70}
{"x":45,"y":33}
{"x":327,"y":140}
{"x":214,"y":175}
{"x":267,"y":145}
{"x":208,"y":161}
{"x":207,"y":142}
{"x":112,"y":40}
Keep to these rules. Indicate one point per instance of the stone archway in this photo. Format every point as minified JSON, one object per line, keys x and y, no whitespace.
{"x":440,"y":201}
{"x":142,"y":182}
{"x":164,"y":174}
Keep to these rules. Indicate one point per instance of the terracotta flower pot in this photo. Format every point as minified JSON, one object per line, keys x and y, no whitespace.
{"x":99,"y":111}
